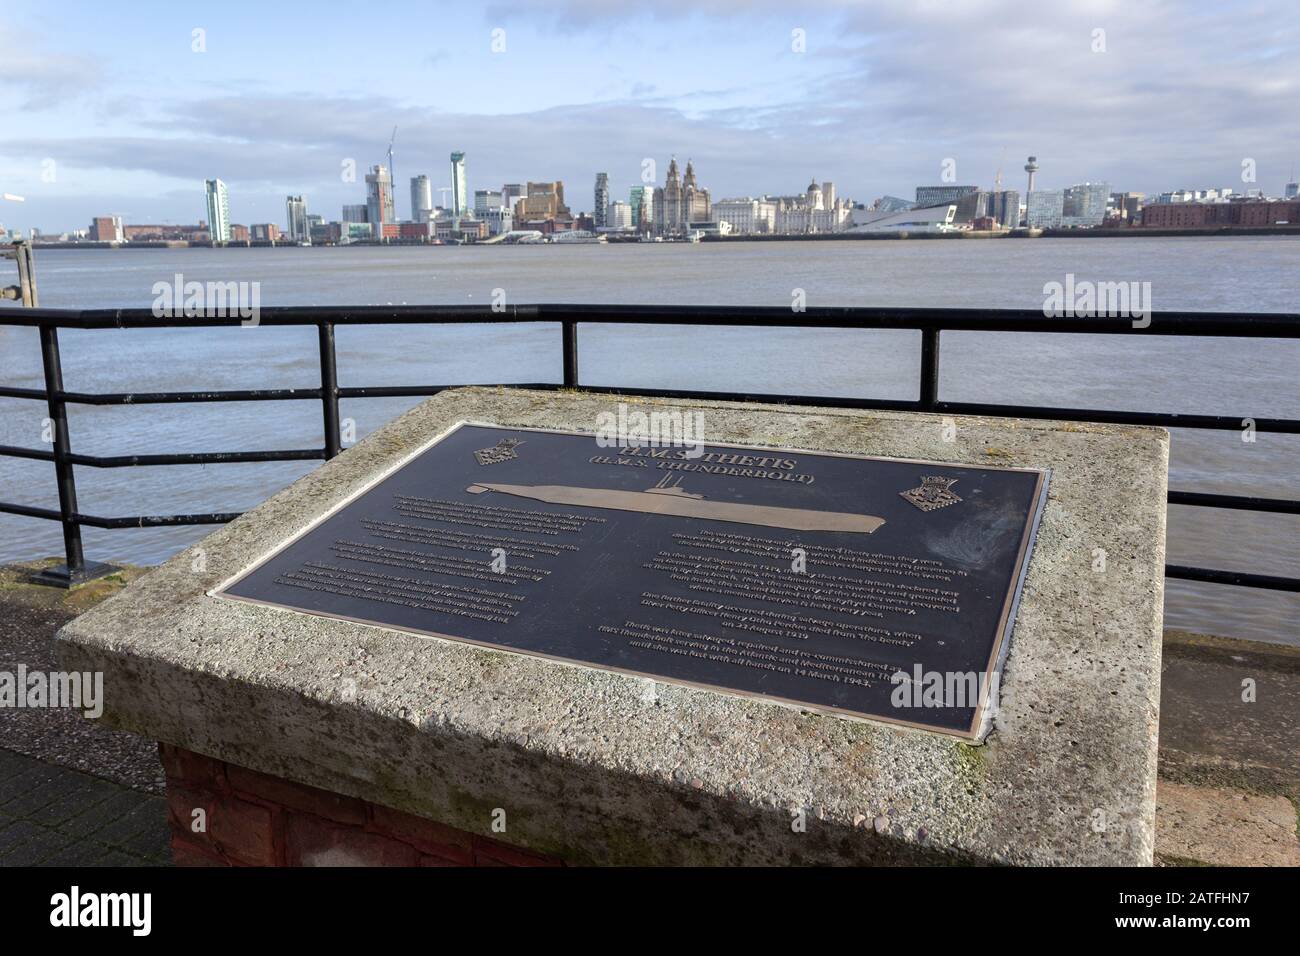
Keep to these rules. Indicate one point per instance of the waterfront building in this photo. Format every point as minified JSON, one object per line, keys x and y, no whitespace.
{"x":1199,"y":215}
{"x":104,"y":229}
{"x":942,"y":195}
{"x":379,"y":195}
{"x":270,"y":232}
{"x":1195,"y":195}
{"x":355,"y":213}
{"x":512,"y":193}
{"x":498,"y":219}
{"x":809,"y":212}
{"x":160,"y":233}
{"x":238,"y":233}
{"x":1002,"y":206}
{"x":601,"y":205}
{"x":1084,"y":204}
{"x":1125,"y":206}
{"x":459,"y":189}
{"x":916,"y":219}
{"x":641,"y":201}
{"x":618,"y":217}
{"x":485,"y":199}
{"x":746,"y":216}
{"x":295,"y":209}
{"x":1044,"y":208}
{"x":543,"y":201}
{"x":421,"y":199}
{"x":679,"y":202}
{"x":889,"y":204}
{"x":218,"y":210}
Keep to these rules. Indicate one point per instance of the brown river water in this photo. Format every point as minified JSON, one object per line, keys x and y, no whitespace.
{"x":1235,"y":377}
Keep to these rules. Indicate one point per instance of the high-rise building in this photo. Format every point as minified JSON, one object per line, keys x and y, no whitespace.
{"x":379,"y":195}
{"x":295,"y":209}
{"x":486,"y":200}
{"x":600,"y":211}
{"x":459,"y":190}
{"x":1291,"y":190}
{"x":356,"y":213}
{"x":421,"y":199}
{"x":218,"y":210}
{"x":640,"y":198}
{"x":941,"y":195}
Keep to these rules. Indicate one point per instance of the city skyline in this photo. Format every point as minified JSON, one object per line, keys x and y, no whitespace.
{"x":113,"y":114}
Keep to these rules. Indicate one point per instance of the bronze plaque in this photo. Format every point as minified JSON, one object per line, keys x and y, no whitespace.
{"x":868,"y":587}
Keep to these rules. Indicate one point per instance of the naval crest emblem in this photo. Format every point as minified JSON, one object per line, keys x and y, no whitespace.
{"x":503,"y":450}
{"x":935,"y":492}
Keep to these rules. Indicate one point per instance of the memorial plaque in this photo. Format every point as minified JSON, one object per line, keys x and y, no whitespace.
{"x":837,"y":583}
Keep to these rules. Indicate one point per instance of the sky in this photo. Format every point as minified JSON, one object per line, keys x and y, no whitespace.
{"x":125,"y":108}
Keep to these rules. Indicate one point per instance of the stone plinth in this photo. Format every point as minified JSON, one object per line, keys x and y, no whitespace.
{"x":583,"y":766}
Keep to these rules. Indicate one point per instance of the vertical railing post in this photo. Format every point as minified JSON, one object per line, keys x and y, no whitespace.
{"x":569,"y":329}
{"x":329,"y":389}
{"x":26,"y":274}
{"x":929,"y":369}
{"x":63,"y":469}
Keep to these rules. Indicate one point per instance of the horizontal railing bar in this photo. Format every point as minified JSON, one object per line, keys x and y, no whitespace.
{"x":1247,"y":325}
{"x":17,"y":451}
{"x":161,"y":398}
{"x":34,"y":393}
{"x":1238,"y":578}
{"x":28,"y":511}
{"x":1286,"y":426}
{"x":197,"y":458}
{"x":159,"y":521}
{"x":416,"y":391}
{"x":1199,"y":499}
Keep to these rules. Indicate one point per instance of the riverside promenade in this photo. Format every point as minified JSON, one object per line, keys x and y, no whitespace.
{"x":75,"y":793}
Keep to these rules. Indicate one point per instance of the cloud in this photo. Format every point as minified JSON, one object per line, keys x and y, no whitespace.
{"x":37,"y":79}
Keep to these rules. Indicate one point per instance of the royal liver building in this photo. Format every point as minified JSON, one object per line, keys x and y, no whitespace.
{"x":678,"y":203}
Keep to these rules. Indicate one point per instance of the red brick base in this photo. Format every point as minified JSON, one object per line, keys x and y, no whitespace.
{"x":253,"y":819}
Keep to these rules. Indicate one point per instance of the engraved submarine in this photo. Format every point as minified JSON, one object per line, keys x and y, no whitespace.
{"x":667,"y":498}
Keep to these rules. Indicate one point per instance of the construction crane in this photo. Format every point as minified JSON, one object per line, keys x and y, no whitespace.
{"x":392,"y":174}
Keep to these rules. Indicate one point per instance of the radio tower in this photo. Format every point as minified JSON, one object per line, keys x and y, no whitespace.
{"x":1031,"y":167}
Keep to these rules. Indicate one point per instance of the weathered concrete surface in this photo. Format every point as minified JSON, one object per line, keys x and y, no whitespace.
{"x":1225,"y":827}
{"x":589,"y":766}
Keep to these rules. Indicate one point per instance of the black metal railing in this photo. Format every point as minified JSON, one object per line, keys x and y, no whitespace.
{"x":929,"y":322}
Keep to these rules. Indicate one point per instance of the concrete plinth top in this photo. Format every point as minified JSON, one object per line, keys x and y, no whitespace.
{"x":601,"y":767}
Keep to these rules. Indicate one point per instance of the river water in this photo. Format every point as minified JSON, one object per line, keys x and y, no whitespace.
{"x":1212,"y":376}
